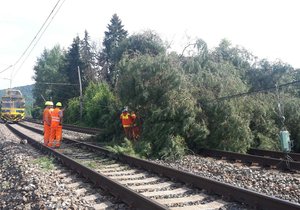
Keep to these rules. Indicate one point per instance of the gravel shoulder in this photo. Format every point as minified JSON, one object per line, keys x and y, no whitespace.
{"x":275,"y":183}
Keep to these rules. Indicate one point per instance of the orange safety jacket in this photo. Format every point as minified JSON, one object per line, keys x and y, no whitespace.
{"x":56,"y":116}
{"x":47,"y":116}
{"x":126,"y":120}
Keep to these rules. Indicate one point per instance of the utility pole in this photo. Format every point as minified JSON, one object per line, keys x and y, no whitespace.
{"x":43,"y":98}
{"x":80,"y":88}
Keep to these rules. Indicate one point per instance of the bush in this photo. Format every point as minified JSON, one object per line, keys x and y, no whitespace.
{"x":72,"y":112}
{"x":101,"y":108}
{"x":37,"y":112}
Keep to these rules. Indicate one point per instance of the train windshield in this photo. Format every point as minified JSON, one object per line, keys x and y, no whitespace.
{"x":8,"y":102}
{"x":6,"y":105}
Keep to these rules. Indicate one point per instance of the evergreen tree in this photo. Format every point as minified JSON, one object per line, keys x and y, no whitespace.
{"x":155,"y":88}
{"x":112,"y":39}
{"x":47,"y":71}
{"x":88,"y":57}
{"x":266,"y":74}
{"x":146,"y":43}
{"x":70,"y":71}
{"x":176,"y":94}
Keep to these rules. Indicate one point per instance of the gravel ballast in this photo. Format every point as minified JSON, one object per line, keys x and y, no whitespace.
{"x":271,"y":182}
{"x":31,"y":180}
{"x":276,"y":183}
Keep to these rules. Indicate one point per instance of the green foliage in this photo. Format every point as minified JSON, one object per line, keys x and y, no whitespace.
{"x":266,"y":74}
{"x":101,"y":107}
{"x":70,"y":72}
{"x":193,"y":64}
{"x":147,"y":43}
{"x":174,"y":148}
{"x":45,"y":163}
{"x":90,"y":164}
{"x":47,"y":70}
{"x":37,"y":112}
{"x":263,"y":123}
{"x":71,"y":114}
{"x":143,"y":149}
{"x":113,"y":37}
{"x":56,"y":71}
{"x":292,"y":115}
{"x":156,"y":88}
{"x":89,"y":60}
{"x":177,"y":96}
{"x":126,"y":147}
{"x":229,"y":128}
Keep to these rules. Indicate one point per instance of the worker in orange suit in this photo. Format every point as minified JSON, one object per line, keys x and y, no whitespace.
{"x":59,"y":128}
{"x":126,"y":123}
{"x":134,"y":126}
{"x":47,"y":121}
{"x":56,"y":126}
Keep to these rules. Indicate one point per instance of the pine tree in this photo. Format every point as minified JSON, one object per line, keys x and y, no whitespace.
{"x":155,"y":88}
{"x":112,"y":39}
{"x":146,"y":43}
{"x":70,"y":71}
{"x":88,"y":57}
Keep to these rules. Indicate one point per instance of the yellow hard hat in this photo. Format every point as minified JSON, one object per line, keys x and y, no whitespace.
{"x":58,"y":104}
{"x":48,"y":103}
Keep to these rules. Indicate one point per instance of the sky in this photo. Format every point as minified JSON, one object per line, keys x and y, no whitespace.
{"x":267,"y":28}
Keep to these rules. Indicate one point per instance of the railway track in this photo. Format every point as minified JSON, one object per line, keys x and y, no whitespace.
{"x":264,"y":158}
{"x":138,"y":184}
{"x":86,"y":130}
{"x":278,"y":163}
{"x":274,"y":154}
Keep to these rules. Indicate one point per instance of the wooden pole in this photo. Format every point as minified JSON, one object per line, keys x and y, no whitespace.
{"x":80,"y":87}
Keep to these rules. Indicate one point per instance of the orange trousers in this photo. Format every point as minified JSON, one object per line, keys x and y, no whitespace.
{"x":47,"y":129}
{"x":59,"y":133}
{"x":55,"y":136}
{"x":135,"y":132}
{"x":128,"y":132}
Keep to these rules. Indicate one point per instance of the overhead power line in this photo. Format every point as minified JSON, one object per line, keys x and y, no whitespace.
{"x":37,"y":33}
{"x":254,"y":91}
{"x":41,"y":33}
{"x":6,"y":69}
{"x":54,"y":83}
{"x":34,"y":38}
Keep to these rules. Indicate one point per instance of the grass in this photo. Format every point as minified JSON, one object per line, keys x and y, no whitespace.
{"x":90,"y":164}
{"x":45,"y":163}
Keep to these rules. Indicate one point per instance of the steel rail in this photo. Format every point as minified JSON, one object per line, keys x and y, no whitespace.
{"x":251,"y":198}
{"x":246,"y":158}
{"x":274,"y":154}
{"x":131,"y":198}
{"x":86,"y":130}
